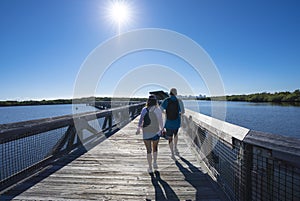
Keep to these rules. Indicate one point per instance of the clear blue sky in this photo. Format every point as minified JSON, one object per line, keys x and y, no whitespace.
{"x":254,"y":44}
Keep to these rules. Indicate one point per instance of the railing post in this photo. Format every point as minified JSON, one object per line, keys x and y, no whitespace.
{"x":107,"y":122}
{"x":68,"y":128}
{"x":247,"y":172}
{"x":70,"y":131}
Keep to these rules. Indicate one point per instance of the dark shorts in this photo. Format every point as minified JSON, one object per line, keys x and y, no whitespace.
{"x":171,"y":132}
{"x":156,"y":137}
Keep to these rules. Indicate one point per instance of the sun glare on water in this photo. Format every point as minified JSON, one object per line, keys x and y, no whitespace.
{"x":119,"y":13}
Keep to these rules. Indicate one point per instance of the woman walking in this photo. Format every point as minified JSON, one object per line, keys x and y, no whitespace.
{"x":151,"y":123}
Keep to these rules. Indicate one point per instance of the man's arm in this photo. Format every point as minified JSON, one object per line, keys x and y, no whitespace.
{"x":182,"y":110}
{"x":163,"y":105}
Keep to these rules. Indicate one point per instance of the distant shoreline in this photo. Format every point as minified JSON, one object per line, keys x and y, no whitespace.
{"x":64,"y":101}
{"x":292,"y":98}
{"x":278,"y":97}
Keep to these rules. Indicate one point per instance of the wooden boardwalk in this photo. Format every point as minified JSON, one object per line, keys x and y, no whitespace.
{"x":116,"y":169}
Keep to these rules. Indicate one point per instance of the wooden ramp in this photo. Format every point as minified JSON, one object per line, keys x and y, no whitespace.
{"x":116,"y":169}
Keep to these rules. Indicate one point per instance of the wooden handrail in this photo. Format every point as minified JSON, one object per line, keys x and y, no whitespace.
{"x":16,"y":135}
{"x":247,"y":164}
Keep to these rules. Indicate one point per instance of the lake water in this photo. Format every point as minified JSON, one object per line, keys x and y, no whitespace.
{"x":266,"y":117}
{"x":24,"y":113}
{"x":277,"y":119}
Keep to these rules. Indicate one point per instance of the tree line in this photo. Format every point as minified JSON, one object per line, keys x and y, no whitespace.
{"x":277,"y":97}
{"x":64,"y":101}
{"x":34,"y":102}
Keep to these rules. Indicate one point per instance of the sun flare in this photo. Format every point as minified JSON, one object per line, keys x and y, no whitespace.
{"x":119,"y":13}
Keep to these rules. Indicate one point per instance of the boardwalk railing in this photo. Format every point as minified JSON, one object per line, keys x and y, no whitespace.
{"x":27,"y":147}
{"x":248,"y":165}
{"x":103,"y":105}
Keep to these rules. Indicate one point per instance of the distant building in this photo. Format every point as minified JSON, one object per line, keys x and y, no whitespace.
{"x":201,"y":97}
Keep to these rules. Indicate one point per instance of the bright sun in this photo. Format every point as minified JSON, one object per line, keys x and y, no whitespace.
{"x":119,"y":13}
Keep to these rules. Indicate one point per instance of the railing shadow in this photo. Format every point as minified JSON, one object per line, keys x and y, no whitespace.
{"x":197,"y":179}
{"x":162,"y":186}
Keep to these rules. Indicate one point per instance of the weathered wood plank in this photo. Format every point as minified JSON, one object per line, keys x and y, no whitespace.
{"x":116,"y":169}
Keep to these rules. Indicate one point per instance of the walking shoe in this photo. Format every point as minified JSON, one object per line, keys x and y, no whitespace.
{"x":155,"y":166}
{"x":173,"y":157}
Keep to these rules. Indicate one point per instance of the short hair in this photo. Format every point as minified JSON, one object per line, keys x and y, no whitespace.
{"x":173,"y":92}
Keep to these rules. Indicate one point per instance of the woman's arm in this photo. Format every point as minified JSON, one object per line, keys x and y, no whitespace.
{"x":141,"y":120}
{"x":143,"y":112}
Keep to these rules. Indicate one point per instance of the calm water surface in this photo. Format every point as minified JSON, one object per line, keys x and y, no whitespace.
{"x":266,"y":117}
{"x":24,"y":113}
{"x":277,"y":119}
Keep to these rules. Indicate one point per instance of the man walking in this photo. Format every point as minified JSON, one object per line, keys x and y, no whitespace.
{"x":174,"y":108}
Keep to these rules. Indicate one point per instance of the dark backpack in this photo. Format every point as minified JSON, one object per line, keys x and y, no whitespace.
{"x":172,"y":110}
{"x":150,"y":124}
{"x":147,"y":120}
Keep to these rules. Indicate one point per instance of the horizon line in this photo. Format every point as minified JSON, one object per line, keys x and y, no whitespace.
{"x":106,"y":96}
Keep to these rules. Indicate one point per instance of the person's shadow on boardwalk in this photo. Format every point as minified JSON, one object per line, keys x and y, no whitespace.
{"x":163,"y":191}
{"x":195,"y":177}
